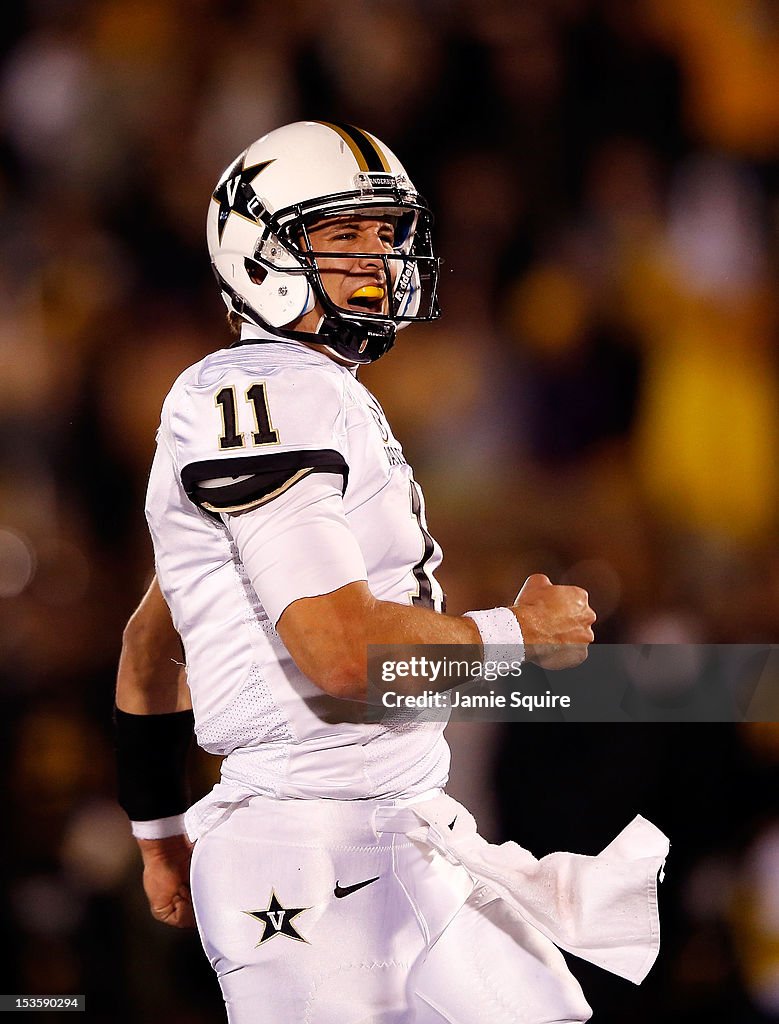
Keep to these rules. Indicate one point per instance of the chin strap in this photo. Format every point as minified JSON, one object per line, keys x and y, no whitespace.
{"x":349,"y":339}
{"x":356,"y":342}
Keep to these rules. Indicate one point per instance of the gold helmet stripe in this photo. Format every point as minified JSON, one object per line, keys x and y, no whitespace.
{"x":365,"y":151}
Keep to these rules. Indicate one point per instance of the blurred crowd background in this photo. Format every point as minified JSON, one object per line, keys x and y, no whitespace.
{"x":598,"y":402}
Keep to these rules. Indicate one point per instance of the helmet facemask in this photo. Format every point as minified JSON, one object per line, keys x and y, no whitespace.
{"x":286,"y":260}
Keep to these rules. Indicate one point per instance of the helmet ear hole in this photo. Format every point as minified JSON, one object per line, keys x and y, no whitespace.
{"x":257,"y":273}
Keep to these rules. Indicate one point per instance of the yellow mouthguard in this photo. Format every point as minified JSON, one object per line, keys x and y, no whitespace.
{"x":368,"y":291}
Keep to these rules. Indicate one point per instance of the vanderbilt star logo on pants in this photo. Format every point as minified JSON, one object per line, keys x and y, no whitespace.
{"x":277,"y":920}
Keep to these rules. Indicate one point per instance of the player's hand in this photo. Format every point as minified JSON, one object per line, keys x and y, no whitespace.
{"x":556,"y":622}
{"x":166,"y":879}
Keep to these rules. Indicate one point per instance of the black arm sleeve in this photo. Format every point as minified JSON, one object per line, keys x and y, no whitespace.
{"x":151,"y":763}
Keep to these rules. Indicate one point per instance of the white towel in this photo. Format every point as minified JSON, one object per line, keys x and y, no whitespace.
{"x":602,"y":909}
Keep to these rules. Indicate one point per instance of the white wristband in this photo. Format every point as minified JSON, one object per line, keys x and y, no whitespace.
{"x":159,"y":828}
{"x":500,"y":631}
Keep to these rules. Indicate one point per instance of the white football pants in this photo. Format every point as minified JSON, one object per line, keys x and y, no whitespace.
{"x":324,"y":912}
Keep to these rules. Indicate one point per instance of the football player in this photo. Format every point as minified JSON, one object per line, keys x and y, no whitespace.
{"x":332,"y":878}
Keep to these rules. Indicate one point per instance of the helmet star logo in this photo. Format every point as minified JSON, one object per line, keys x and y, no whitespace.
{"x":277,"y":920}
{"x":232,"y":196}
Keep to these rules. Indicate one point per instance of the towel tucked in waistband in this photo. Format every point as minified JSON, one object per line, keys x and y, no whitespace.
{"x":602,"y":909}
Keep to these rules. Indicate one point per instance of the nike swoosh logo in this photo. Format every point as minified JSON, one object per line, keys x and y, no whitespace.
{"x":451,"y":823}
{"x":346,"y":890}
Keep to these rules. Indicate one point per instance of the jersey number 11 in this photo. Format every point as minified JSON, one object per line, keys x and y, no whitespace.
{"x":233,"y":438}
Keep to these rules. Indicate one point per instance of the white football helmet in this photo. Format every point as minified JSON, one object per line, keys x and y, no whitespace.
{"x":260,"y":249}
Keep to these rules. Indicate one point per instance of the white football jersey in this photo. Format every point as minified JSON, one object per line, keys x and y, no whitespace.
{"x":276,"y":412}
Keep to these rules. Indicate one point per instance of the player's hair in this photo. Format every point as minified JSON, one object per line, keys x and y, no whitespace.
{"x":234,"y":323}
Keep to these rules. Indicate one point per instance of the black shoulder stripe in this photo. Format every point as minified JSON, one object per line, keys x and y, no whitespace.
{"x":268,"y":474}
{"x":255,"y":490}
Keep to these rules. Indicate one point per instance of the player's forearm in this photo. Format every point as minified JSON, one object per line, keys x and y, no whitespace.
{"x":168,"y":850}
{"x":330,"y":636}
{"x":150,"y":679}
{"x":390,"y":623}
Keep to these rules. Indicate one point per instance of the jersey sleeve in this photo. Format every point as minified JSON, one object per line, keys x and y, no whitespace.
{"x":301,"y":547}
{"x":241,"y":441}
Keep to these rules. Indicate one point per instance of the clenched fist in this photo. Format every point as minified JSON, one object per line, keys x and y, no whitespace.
{"x":166,"y":879}
{"x":556,"y":622}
